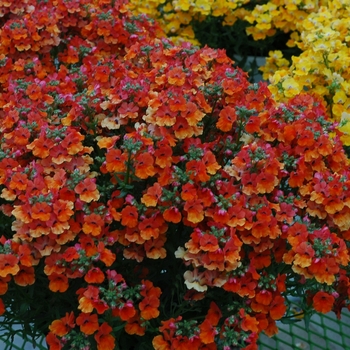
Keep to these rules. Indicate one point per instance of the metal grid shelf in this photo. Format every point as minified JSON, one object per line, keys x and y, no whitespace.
{"x":325,"y":332}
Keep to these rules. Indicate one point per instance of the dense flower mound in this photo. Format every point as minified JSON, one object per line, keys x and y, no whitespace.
{"x":152,"y":196}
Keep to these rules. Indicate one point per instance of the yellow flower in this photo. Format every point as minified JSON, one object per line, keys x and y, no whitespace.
{"x":339,"y":97}
{"x":181,"y":5}
{"x":203,"y":6}
{"x":291,"y":87}
{"x":344,"y":127}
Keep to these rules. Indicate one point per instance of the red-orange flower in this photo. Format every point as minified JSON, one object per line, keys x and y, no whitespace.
{"x":323,"y":302}
{"x":25,"y":276}
{"x":88,"y":323}
{"x":58,"y":282}
{"x":227,"y":117}
{"x":8,"y":265}
{"x":94,"y":275}
{"x":116,"y":160}
{"x":129,"y":216}
{"x":144,"y":166}
{"x":104,"y":339}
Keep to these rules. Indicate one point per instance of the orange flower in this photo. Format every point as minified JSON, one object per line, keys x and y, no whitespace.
{"x":107,"y":142}
{"x":163,"y":154}
{"x":53,"y":342}
{"x":195,"y":212}
{"x":264,"y":297}
{"x":19,"y":182}
{"x":207,"y":332}
{"x":248,"y":323}
{"x":62,"y":326}
{"x":58,"y":282}
{"x":144,"y":166}
{"x":265,"y":182}
{"x":87,"y":190}
{"x":159,"y":343}
{"x":126,"y":311}
{"x":34,"y":92}
{"x":197,"y":170}
{"x":116,"y":161}
{"x":150,"y":199}
{"x":227,"y":117}
{"x":277,"y":308}
{"x":214,"y":314}
{"x":72,"y":142}
{"x":155,"y":247}
{"x":94,"y":275}
{"x":105,"y":341}
{"x":172,"y":214}
{"x":133,"y":326}
{"x":176,"y":76}
{"x":41,"y":147}
{"x":323,"y":302}
{"x":41,"y":211}
{"x":93,"y":224}
{"x":182,"y":129}
{"x":88,"y":323}
{"x":102,"y":73}
{"x":8,"y":265}
{"x":192,"y":114}
{"x":149,"y":307}
{"x":106,"y":256}
{"x":25,"y":276}
{"x":129,"y":216}
{"x":4,"y":284}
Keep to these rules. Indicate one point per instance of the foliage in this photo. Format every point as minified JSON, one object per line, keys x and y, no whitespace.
{"x":150,"y":195}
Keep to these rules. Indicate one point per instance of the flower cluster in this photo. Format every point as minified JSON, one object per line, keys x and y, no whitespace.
{"x":152,"y":195}
{"x":323,"y":66}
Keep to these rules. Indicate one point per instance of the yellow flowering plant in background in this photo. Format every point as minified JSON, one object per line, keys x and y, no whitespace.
{"x":323,"y":67}
{"x":306,"y":41}
{"x":242,"y":27}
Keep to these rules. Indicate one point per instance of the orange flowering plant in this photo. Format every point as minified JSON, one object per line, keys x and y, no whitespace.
{"x":151,"y":198}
